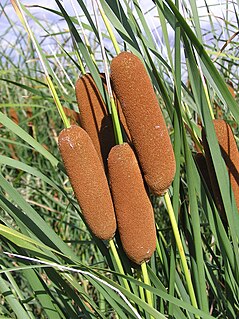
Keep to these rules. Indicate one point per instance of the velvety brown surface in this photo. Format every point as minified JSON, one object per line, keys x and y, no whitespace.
{"x":134,"y":212}
{"x":230,"y":154}
{"x":145,"y":121}
{"x":94,"y":117}
{"x":88,"y":181}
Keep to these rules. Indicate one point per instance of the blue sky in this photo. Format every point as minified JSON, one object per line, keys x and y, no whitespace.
{"x":217,"y":10}
{"x":217,"y":13}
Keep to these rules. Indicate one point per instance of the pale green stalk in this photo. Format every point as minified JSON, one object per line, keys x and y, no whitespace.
{"x":118,"y":136}
{"x":87,"y":43}
{"x":118,"y":262}
{"x":79,"y":58}
{"x":180,"y":250}
{"x":108,"y":27}
{"x":147,"y":282}
{"x":114,"y":113}
{"x":57,"y":102}
{"x":141,"y":290}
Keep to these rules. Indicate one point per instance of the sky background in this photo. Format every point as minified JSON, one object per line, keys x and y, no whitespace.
{"x":218,"y":12}
{"x":217,"y":9}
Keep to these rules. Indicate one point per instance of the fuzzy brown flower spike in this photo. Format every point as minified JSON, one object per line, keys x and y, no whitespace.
{"x":88,"y":181}
{"x":134,"y":212}
{"x":145,"y":121}
{"x":94,"y":116}
{"x":230,"y":155}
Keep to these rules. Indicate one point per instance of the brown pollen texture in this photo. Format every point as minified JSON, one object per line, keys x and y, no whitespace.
{"x":94,"y":116}
{"x":134,"y":212}
{"x":88,"y":181}
{"x":230,"y":154}
{"x":145,"y":121}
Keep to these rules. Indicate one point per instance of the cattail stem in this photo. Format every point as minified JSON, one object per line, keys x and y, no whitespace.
{"x":108,"y":27}
{"x":181,"y":250}
{"x":114,"y":113}
{"x":87,"y":43}
{"x":82,"y":69}
{"x":141,"y":289}
{"x":159,"y":252}
{"x":118,"y":262}
{"x":116,"y":122}
{"x":147,"y":282}
{"x":57,"y":102}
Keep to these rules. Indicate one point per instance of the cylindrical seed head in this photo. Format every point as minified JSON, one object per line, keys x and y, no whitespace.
{"x":230,"y":155}
{"x":94,"y":116}
{"x":145,"y":121}
{"x":134,"y":212}
{"x":88,"y":181}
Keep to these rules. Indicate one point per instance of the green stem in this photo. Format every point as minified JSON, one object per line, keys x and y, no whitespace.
{"x":114,"y":114}
{"x":82,"y":69}
{"x":158,"y":249}
{"x":141,"y":290}
{"x":181,"y":250}
{"x":147,"y":282}
{"x":119,"y":264}
{"x":57,"y":102}
{"x":116,"y":122}
{"x":109,"y":29}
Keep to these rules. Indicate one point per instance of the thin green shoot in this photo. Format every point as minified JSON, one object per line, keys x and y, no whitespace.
{"x":108,"y":27}
{"x":180,"y":250}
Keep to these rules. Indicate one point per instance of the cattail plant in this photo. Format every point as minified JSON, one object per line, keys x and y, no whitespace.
{"x":144,"y":120}
{"x":134,"y":212}
{"x":230,"y":155}
{"x":94,"y":116}
{"x":149,"y":135}
{"x":88,"y":180}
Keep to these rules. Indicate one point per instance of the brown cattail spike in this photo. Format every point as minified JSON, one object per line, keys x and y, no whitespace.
{"x":134,"y":213}
{"x":88,"y":180}
{"x":213,"y":177}
{"x":145,"y":121}
{"x":94,"y":116}
{"x":230,"y":154}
